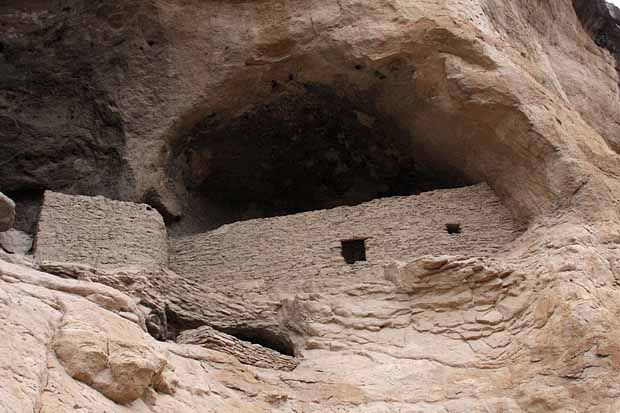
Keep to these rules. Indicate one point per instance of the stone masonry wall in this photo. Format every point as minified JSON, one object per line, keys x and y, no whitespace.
{"x":280,"y":254}
{"x":100,"y":232}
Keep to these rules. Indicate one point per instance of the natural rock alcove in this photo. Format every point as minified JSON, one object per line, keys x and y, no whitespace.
{"x":133,"y":100}
{"x":307,"y":147}
{"x":169,"y":325}
{"x":266,"y":338}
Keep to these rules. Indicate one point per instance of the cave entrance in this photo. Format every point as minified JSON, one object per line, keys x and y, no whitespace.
{"x":306,"y":148}
{"x":265,"y":338}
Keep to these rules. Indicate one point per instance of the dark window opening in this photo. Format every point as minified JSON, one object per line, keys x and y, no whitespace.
{"x":453,"y":228}
{"x":353,"y":250}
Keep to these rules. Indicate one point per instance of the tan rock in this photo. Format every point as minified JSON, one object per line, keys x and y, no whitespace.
{"x":15,"y":242}
{"x":106,"y":353}
{"x":515,"y":94}
{"x":245,"y":352}
{"x":100,"y":232}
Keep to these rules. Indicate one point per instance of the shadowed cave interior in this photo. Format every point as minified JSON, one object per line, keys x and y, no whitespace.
{"x":307,"y":148}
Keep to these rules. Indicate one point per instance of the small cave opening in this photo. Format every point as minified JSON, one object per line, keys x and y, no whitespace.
{"x":265,"y":338}
{"x":308,"y":147}
{"x":168,"y":325}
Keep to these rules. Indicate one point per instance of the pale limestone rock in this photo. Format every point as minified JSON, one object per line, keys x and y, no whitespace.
{"x":106,"y":353}
{"x":513,"y":93}
{"x":492,"y":317}
{"x":15,"y":242}
{"x":166,"y":382}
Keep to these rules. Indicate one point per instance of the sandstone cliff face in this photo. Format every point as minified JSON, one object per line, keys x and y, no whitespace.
{"x":148,"y":101}
{"x":415,"y":69}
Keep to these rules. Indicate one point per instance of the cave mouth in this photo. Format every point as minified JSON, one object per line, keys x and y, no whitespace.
{"x":265,"y":338}
{"x":168,"y":325}
{"x":306,"y":148}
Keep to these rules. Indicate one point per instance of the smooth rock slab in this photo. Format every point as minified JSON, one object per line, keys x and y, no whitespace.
{"x":101,"y":350}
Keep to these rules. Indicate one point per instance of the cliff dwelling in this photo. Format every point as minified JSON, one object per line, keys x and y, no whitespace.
{"x":321,"y":207}
{"x":307,"y":189}
{"x":283,"y":253}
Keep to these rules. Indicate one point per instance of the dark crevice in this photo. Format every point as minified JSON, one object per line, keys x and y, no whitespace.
{"x":265,"y":338}
{"x":169,"y":325}
{"x":28,"y":204}
{"x":174,"y":324}
{"x":154,"y":199}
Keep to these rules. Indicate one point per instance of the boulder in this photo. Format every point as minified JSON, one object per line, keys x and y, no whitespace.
{"x":15,"y":241}
{"x":105,"y":352}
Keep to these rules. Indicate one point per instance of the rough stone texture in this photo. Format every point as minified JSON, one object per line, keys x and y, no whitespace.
{"x":285,"y":253}
{"x":513,"y":93}
{"x":15,"y":242}
{"x":139,"y":73}
{"x":100,"y":232}
{"x":245,"y":352}
{"x":601,"y":19}
{"x":70,"y":133}
{"x":105,"y":353}
{"x":7,"y":213}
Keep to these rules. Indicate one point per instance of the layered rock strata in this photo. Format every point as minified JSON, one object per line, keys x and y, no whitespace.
{"x":515,"y":94}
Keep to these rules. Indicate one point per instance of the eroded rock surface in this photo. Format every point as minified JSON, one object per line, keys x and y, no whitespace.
{"x":124,"y":100}
{"x":15,"y":242}
{"x":100,"y":232}
{"x":245,"y":352}
{"x":601,"y":19}
{"x":106,"y":353}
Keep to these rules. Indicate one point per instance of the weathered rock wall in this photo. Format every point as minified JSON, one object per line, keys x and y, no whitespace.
{"x":600,"y":19}
{"x":436,"y":70}
{"x":514,"y":93}
{"x":245,"y":352}
{"x":100,"y":232}
{"x":284,"y":253}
